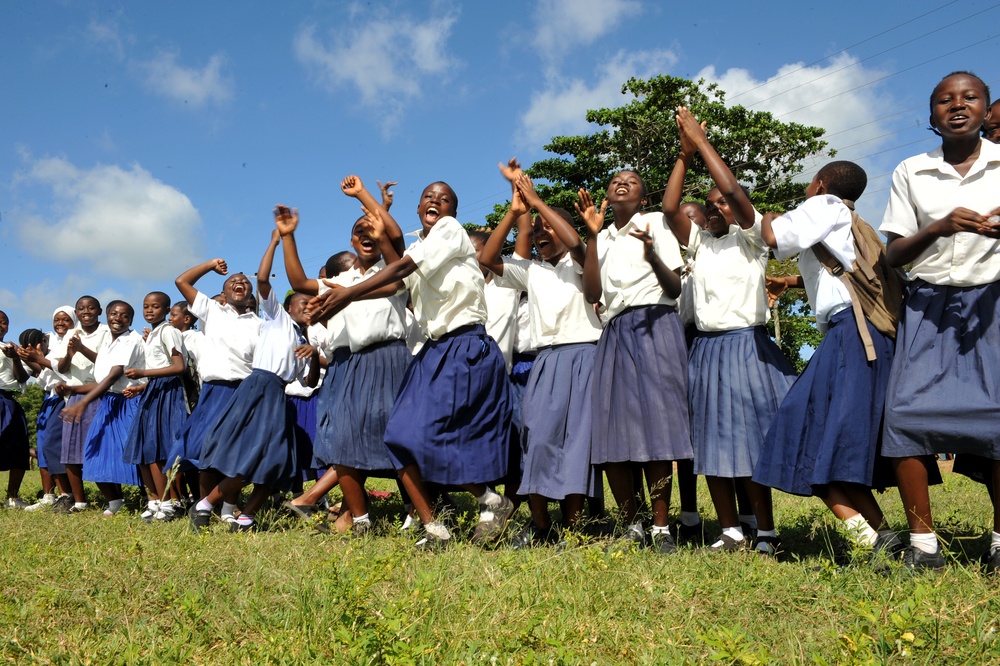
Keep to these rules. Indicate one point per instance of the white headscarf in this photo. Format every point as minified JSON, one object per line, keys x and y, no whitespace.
{"x":57,"y":344}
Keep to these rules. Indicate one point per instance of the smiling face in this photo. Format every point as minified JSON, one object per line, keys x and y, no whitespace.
{"x":297,"y":308}
{"x":437,"y":200}
{"x":366,"y":249}
{"x":4,"y":324}
{"x":88,"y":310}
{"x":119,"y":318}
{"x":61,"y":323}
{"x":695,"y":212}
{"x":626,"y":187}
{"x":237,"y":291}
{"x":154,"y":309}
{"x":959,"y":107}
{"x":718,"y":213}
{"x":549,"y":247}
{"x":993,"y":124}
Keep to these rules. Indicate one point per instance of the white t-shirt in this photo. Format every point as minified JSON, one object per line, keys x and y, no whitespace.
{"x":501,"y":317}
{"x":925,"y":189}
{"x":81,"y":369}
{"x":370,"y":321}
{"x":230,"y":340}
{"x":159,"y":345}
{"x":820,"y":219}
{"x":126,"y":351}
{"x":7,"y":380}
{"x":279,"y":336}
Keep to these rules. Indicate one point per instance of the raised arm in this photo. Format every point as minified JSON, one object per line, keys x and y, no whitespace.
{"x":594,"y":221}
{"x":353,"y":187}
{"x":767,"y":231}
{"x":522,"y":241}
{"x":387,"y":194}
{"x":721,"y":174}
{"x":323,"y":307}
{"x":489,"y":258}
{"x":566,"y":233}
{"x":679,"y":224}
{"x":286,"y":220}
{"x":266,"y":262}
{"x":185,"y":281}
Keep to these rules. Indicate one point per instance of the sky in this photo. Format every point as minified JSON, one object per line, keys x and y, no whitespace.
{"x":140,"y":139}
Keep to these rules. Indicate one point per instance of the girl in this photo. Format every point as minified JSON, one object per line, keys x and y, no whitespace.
{"x":640,"y":412}
{"x":253,"y":440}
{"x":14,"y":450}
{"x":564,"y":329}
{"x":737,"y":376}
{"x":376,"y":334}
{"x":78,"y":365}
{"x":943,"y":395}
{"x":106,"y":438}
{"x":162,"y":407}
{"x":450,"y":423}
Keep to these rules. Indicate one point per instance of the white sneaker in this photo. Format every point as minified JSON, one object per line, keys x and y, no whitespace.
{"x":46,"y":501}
{"x":16,"y":503}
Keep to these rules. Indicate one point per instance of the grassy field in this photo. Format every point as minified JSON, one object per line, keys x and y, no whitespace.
{"x":84,"y":589}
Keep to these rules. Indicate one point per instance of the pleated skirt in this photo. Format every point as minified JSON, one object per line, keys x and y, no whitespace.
{"x":827,"y":427}
{"x":253,"y":437}
{"x":103,"y":452}
{"x":944,"y":390}
{"x":371,"y":381}
{"x":328,"y":394}
{"x":14,"y":445}
{"x":304,"y":413}
{"x":158,"y":422}
{"x":557,"y":423}
{"x":214,"y":397}
{"x":48,"y":431}
{"x":736,"y":381}
{"x":452,"y":415}
{"x":640,"y":389}
{"x":74,"y":434}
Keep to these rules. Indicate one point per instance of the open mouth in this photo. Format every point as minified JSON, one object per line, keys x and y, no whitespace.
{"x":432,"y":214}
{"x":367,"y":244}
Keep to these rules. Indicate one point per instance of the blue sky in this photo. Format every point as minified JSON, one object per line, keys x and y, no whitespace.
{"x":139,"y":139}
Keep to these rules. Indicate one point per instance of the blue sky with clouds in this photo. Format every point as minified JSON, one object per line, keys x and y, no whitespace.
{"x":141,"y":138}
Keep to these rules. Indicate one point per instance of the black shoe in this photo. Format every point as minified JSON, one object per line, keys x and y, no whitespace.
{"x":237,"y":526}
{"x":917,"y":560}
{"x":63,"y":504}
{"x":768,"y":546}
{"x":199,"y":519}
{"x":693,"y":534}
{"x":532,"y":535}
{"x":993,"y":562}
{"x":887,"y":547}
{"x":663,"y":543}
{"x":727,"y":544}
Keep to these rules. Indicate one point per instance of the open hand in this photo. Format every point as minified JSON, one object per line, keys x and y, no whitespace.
{"x":592,"y":217}
{"x":386,"y":192}
{"x":286,"y":220}
{"x":511,"y":170}
{"x":647,"y":241}
{"x":527,"y":190}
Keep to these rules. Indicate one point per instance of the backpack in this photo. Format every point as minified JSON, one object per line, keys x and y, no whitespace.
{"x":876,"y":288}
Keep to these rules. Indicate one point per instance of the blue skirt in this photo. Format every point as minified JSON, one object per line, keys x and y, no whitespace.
{"x":254,"y":436}
{"x":736,"y":380}
{"x":827,"y":428}
{"x":74,"y":434}
{"x":557,"y":419}
{"x":47,"y":424}
{"x":326,"y":397}
{"x":452,"y":416}
{"x":213,"y":399}
{"x":371,"y":381}
{"x":161,"y":415}
{"x":944,"y":390}
{"x":14,"y":445}
{"x":304,"y":413}
{"x":640,"y":389}
{"x":103,"y":451}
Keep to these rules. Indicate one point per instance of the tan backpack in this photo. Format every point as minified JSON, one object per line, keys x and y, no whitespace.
{"x":876,"y":288}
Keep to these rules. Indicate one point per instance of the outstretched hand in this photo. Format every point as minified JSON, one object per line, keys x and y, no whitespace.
{"x":526,"y":188}
{"x":321,"y":308}
{"x":387,"y":194}
{"x":511,"y":170}
{"x":286,"y":219}
{"x":690,"y":130}
{"x":592,"y":217}
{"x":30,"y":354}
{"x":647,"y":241}
{"x":352,"y":186}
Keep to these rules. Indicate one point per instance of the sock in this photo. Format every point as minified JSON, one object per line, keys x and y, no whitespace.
{"x":438,"y":530}
{"x":995,"y":542}
{"x":750,"y":520}
{"x":690,"y":518}
{"x":153,"y":505}
{"x":860,"y":531}
{"x":114,"y":506}
{"x":363,"y":519}
{"x":203,"y":505}
{"x":767,"y":533}
{"x":733,"y":532}
{"x":657,"y":529}
{"x":79,"y":505}
{"x":227,"y":510}
{"x":48,"y":498}
{"x":245,"y":520}
{"x":490,"y":498}
{"x":927,"y":543}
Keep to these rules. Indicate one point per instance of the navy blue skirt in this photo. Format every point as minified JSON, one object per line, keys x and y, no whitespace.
{"x":557,"y":422}
{"x":827,"y":428}
{"x":736,"y":381}
{"x":46,"y":423}
{"x":944,"y":390}
{"x":371,"y":382}
{"x":304,"y":411}
{"x":254,"y":436}
{"x":14,"y":445}
{"x":328,"y":394}
{"x":74,"y":434}
{"x":103,"y":452}
{"x":640,"y":389}
{"x":187,"y":446}
{"x":161,"y":415}
{"x":452,"y":416}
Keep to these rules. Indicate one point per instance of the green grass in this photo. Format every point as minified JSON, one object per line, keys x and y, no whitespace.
{"x":77,"y":589}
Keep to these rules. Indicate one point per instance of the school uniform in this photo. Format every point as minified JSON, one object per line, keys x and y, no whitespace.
{"x":640,"y":369}
{"x":944,"y":390}
{"x":558,"y":397}
{"x":827,"y":427}
{"x":332,"y":342}
{"x":225,"y":357}
{"x":737,"y":376}
{"x":301,"y":400}
{"x":162,"y":406}
{"x":452,"y":415}
{"x":193,"y":341}
{"x":254,"y":435}
{"x":80,"y":373}
{"x":14,"y":453}
{"x":103,"y":451}
{"x":49,"y":427}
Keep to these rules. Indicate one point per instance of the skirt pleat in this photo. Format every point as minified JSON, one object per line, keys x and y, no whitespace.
{"x":47,"y":424}
{"x":187,"y":446}
{"x":74,"y":434}
{"x":158,"y":422}
{"x":326,"y":398}
{"x":304,"y":413}
{"x":103,"y":452}
{"x":14,"y":443}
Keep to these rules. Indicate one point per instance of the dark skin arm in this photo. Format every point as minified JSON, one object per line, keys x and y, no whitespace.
{"x":323,"y":307}
{"x":489,"y":258}
{"x":353,"y":187}
{"x":903,"y":250}
{"x":670,"y":281}
{"x":679,"y":224}
{"x":310,"y":352}
{"x":185,"y":281}
{"x":767,"y":231}
{"x":522,"y":242}
{"x":266,"y":262}
{"x":175,"y":368}
{"x":286,"y":220}
{"x":594,"y":221}
{"x":20,"y":374}
{"x":566,"y":233}
{"x":75,"y":411}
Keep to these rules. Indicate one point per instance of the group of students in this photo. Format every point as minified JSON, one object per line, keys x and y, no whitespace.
{"x":451,"y":367}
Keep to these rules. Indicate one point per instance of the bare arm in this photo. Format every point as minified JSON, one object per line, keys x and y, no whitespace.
{"x":489,"y":258}
{"x":566,"y":233}
{"x":330,"y":303}
{"x":266,"y":262}
{"x":594,"y":220}
{"x":670,"y":281}
{"x":353,"y":187}
{"x":767,"y":231}
{"x":75,"y":411}
{"x":902,"y":250}
{"x":287,"y":221}
{"x":20,"y":374}
{"x":175,"y":368}
{"x":185,"y":281}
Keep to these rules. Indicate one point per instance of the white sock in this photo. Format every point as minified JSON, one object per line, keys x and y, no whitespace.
{"x":657,"y":529}
{"x":227,"y":510}
{"x":363,"y":519}
{"x":750,"y":520}
{"x":203,"y":505}
{"x":115,"y":505}
{"x":153,"y":505}
{"x":733,"y":532}
{"x":860,"y":531}
{"x":79,"y":505}
{"x":490,"y":498}
{"x":48,"y":498}
{"x":927,"y":543}
{"x":438,"y":530}
{"x":245,"y":520}
{"x":995,"y":542}
{"x":690,"y":518}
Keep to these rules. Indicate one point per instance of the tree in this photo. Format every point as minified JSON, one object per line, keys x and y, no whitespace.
{"x":31,"y":402}
{"x":764,"y":153}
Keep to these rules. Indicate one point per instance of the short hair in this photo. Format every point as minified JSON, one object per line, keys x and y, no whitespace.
{"x":31,"y":337}
{"x":131,"y":310}
{"x":478,"y":236}
{"x":844,"y":179}
{"x":565,"y":214}
{"x":340,"y":262}
{"x":961,"y":72}
{"x":85,"y":296}
{"x":292,"y":294}
{"x":162,"y":296}
{"x":186,"y":309}
{"x":451,"y":189}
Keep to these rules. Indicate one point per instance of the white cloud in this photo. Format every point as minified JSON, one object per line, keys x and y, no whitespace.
{"x":562,"y":107}
{"x":562,"y":26}
{"x":114,"y":221}
{"x":196,"y":87}
{"x":107,"y":35}
{"x":42,"y":298}
{"x":387,"y":58}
